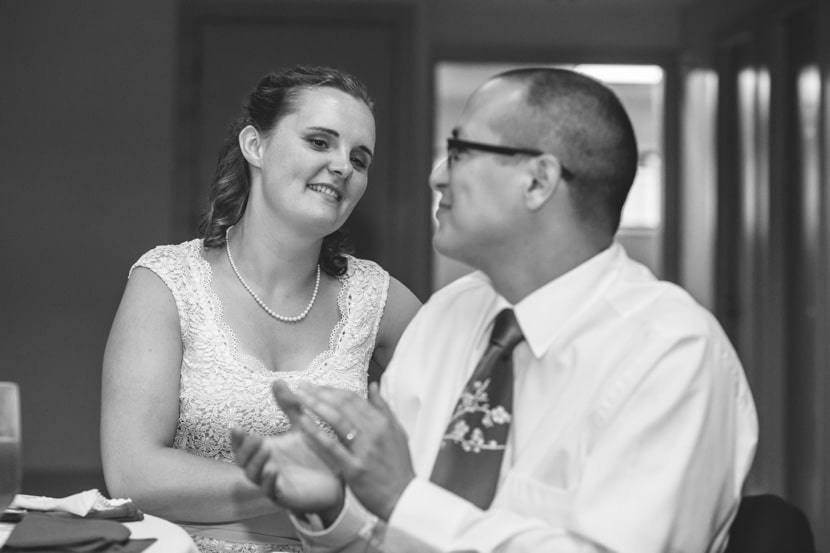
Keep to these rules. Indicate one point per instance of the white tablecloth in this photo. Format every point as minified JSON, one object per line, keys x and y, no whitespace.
{"x":170,"y":538}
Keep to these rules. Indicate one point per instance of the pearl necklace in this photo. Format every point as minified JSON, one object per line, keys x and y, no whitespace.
{"x":267,"y":309}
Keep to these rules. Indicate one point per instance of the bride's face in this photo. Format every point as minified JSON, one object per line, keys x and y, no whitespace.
{"x":315,"y":162}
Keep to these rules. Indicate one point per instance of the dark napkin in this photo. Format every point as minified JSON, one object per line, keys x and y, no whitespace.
{"x":127,"y":512}
{"x":59,"y":533}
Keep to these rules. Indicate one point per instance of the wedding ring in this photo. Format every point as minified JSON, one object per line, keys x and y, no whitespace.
{"x":350,"y":435}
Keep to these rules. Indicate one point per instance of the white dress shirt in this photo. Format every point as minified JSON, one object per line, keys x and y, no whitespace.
{"x":633,"y":424}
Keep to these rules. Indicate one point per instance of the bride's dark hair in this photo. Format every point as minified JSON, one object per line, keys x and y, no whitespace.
{"x":274,"y":97}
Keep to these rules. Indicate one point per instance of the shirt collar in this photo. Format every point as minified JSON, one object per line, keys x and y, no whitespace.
{"x":545,"y":311}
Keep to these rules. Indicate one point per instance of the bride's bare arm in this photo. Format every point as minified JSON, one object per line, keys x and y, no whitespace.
{"x":140,"y":410}
{"x":401,"y":306}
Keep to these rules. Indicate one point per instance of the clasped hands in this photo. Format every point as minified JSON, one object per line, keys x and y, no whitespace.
{"x":305,"y":469}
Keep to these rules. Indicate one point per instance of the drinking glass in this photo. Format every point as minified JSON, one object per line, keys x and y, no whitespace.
{"x":9,"y":443}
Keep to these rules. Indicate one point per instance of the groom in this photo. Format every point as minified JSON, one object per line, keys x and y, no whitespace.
{"x":560,"y":398}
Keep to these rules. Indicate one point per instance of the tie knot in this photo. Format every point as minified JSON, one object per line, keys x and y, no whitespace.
{"x":506,"y":331}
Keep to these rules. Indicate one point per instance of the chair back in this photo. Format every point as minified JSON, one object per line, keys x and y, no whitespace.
{"x":769,"y":524}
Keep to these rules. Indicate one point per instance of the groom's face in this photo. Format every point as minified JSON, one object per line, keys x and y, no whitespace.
{"x":480,"y":196}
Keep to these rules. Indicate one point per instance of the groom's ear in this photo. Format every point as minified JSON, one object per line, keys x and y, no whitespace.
{"x":543,"y":177}
{"x":251,"y":145}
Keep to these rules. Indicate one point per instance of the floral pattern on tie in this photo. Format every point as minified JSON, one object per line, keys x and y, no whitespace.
{"x":468,"y":435}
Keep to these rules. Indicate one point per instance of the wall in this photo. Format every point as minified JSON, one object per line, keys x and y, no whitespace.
{"x":502,"y":27}
{"x":704,"y":20}
{"x":86,"y":162}
{"x":86,"y":165}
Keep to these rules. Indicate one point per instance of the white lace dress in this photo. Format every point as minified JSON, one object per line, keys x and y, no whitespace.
{"x":223,"y":387}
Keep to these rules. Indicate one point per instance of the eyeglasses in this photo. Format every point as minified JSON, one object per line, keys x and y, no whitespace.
{"x":456,"y":146}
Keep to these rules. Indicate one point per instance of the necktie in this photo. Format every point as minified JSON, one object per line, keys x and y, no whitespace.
{"x":469,"y":461}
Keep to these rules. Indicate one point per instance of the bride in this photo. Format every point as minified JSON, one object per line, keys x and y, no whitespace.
{"x":267,"y":292}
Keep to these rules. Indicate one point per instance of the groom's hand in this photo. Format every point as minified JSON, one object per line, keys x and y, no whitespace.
{"x":371,"y":452}
{"x":287,"y":469}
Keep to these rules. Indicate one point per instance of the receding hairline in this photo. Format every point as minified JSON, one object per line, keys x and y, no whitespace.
{"x":527,"y":125}
{"x":584,"y":124}
{"x":542,"y":97}
{"x":563,"y":110}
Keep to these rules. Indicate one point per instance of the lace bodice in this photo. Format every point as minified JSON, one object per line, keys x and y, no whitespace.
{"x":222,"y":386}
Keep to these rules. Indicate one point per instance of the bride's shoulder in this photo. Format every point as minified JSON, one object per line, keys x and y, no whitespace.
{"x":365,"y":269}
{"x":172,"y":252}
{"x":172,"y":259}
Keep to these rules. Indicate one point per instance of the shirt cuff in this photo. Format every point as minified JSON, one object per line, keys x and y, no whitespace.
{"x":429,"y":513}
{"x":352,"y":523}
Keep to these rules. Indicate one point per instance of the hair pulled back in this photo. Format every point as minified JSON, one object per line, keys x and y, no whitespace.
{"x":274,"y":97}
